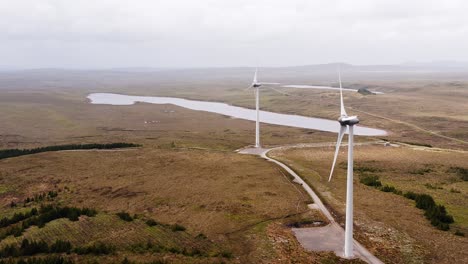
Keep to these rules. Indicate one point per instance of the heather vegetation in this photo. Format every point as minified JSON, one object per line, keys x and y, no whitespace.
{"x":45,"y":260}
{"x":185,"y":251}
{"x":30,"y":248}
{"x":47,"y":196}
{"x":40,"y":217}
{"x":116,"y":180}
{"x":125,"y":216}
{"x":371,"y":181}
{"x":461,"y":172}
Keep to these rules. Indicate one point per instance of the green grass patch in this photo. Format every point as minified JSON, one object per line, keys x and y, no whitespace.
{"x":3,"y":189}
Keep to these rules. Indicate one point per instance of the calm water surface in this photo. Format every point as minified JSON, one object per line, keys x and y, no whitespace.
{"x":233,"y":111}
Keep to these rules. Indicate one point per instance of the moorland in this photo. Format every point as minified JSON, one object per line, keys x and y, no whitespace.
{"x":183,"y":195}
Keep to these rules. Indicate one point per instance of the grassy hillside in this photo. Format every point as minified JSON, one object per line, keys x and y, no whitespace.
{"x":204,"y":191}
{"x":388,"y":222}
{"x":186,"y":172}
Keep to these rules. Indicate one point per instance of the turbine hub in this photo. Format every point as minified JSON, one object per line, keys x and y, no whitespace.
{"x":348,"y":120}
{"x":255,"y":85}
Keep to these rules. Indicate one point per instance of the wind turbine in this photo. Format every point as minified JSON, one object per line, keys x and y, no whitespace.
{"x":346,"y":121}
{"x":256,"y":85}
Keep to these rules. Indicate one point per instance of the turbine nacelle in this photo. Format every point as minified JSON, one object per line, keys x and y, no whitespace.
{"x":348,"y":120}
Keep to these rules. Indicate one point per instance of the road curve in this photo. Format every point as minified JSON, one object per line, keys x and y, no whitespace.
{"x":360,"y":250}
{"x":304,"y":185}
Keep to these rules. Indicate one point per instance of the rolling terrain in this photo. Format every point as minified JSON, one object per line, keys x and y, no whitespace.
{"x":232,"y":208}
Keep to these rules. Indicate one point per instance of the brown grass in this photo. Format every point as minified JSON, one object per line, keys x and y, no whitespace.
{"x":205,"y":191}
{"x":387,"y":223}
{"x":186,"y":173}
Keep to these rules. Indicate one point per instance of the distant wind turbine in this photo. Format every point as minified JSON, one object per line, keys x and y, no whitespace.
{"x":346,"y":121}
{"x":256,"y":85}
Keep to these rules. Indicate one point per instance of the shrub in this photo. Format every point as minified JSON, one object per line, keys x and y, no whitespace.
{"x":61,"y":246}
{"x":17,"y":217}
{"x":158,"y":261}
{"x":174,"y":250}
{"x":125,"y":216}
{"x":388,"y":188}
{"x":201,"y":236}
{"x":52,"y":194}
{"x":177,"y":227}
{"x":410,"y":195}
{"x":98,"y":248}
{"x":438,"y":213}
{"x":9,"y":153}
{"x":40,"y":197}
{"x":418,"y":144}
{"x":371,"y":181}
{"x":126,"y":261}
{"x":366,"y":169}
{"x":46,"y":260}
{"x":433,"y":187}
{"x":151,"y":222}
{"x":31,"y":248}
{"x":461,"y":172}
{"x":225,"y":254}
{"x":424,"y":201}
{"x":42,"y":216}
{"x":439,"y":225}
{"x":27,"y":248}
{"x":9,"y":251}
{"x":421,"y":171}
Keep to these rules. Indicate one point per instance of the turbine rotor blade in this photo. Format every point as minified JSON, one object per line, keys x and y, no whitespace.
{"x":343,"y":111}
{"x":255,"y":76}
{"x":338,"y":144}
{"x":276,"y":90}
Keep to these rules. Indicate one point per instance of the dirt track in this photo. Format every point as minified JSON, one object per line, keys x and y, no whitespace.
{"x":327,"y":238}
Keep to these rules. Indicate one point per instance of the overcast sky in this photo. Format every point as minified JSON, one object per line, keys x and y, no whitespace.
{"x":213,"y":33}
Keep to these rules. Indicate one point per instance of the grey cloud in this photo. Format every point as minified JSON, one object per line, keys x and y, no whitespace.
{"x":181,"y":33}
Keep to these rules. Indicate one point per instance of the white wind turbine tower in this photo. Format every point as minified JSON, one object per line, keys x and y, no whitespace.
{"x":346,"y":121}
{"x":256,"y":85}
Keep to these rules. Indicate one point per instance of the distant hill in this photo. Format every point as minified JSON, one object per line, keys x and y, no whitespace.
{"x":314,"y":74}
